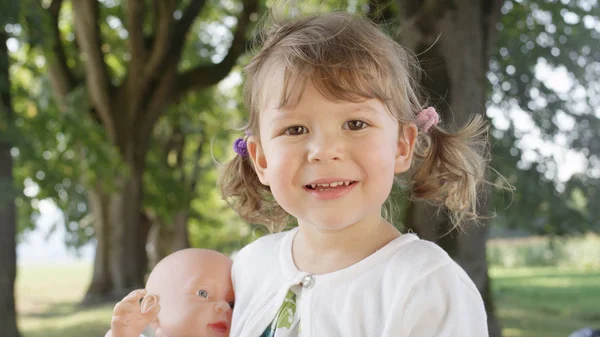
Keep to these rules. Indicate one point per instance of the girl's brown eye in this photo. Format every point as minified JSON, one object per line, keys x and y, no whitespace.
{"x":356,"y":125}
{"x":203,"y":293}
{"x":295,"y":130}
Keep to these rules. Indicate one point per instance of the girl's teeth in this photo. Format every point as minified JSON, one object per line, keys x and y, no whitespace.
{"x":333,"y":184}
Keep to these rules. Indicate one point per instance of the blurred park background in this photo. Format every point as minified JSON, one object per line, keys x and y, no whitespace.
{"x":113,"y":113}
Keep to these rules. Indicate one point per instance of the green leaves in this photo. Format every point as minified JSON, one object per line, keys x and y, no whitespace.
{"x":547,"y":64}
{"x":10,"y":12}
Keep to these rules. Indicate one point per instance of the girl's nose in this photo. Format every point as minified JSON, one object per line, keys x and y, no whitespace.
{"x":325,"y":147}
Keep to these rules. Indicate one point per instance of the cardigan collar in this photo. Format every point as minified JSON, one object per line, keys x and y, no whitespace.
{"x":295,"y":276}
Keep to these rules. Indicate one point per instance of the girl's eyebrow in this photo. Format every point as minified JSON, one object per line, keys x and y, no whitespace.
{"x":365,"y":108}
{"x":362,"y":106}
{"x":282,"y":115}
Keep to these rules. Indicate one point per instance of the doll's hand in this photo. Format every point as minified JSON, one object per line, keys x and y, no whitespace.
{"x":130,"y":318}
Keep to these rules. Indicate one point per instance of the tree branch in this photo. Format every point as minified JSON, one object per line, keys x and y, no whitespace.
{"x":135,"y":19}
{"x":206,"y":75}
{"x":162,"y":37}
{"x":87,"y":30}
{"x":157,"y":104}
{"x":183,"y":26}
{"x":195,"y":175}
{"x":135,"y":85}
{"x":491,"y":16}
{"x":54,"y":7}
{"x":61,"y":77}
{"x":166,"y":52}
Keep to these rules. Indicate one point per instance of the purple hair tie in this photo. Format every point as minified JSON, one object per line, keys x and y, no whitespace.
{"x":241,"y":146}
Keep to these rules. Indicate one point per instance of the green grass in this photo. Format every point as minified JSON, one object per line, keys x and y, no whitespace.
{"x":546,"y":301}
{"x":530,"y":302}
{"x":582,"y":251}
{"x":47,"y":298}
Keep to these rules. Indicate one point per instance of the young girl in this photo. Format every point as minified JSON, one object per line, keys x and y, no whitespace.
{"x":335,"y":117}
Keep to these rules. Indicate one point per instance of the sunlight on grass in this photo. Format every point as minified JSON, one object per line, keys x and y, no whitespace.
{"x":47,"y":302}
{"x":545,"y":301}
{"x":511,"y":332}
{"x":41,"y":286}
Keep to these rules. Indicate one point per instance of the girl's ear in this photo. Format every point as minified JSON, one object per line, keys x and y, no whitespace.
{"x":406,"y":146}
{"x":259,"y":160}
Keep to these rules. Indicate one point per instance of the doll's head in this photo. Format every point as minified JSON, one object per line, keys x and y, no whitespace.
{"x":194,"y":292}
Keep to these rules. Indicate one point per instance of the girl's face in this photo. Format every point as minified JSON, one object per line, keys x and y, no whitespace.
{"x":330,"y":164}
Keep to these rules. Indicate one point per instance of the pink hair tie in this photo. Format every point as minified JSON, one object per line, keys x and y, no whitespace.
{"x":427,"y":118}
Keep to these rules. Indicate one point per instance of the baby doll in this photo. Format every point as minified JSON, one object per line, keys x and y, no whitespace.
{"x":188,"y":294}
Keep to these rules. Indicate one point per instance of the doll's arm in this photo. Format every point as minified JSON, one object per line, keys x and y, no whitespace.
{"x":130,"y":317}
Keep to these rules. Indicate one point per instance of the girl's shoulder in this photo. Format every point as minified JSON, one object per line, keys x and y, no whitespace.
{"x":417,"y":258}
{"x":415,"y":250}
{"x":265,"y":248}
{"x":258,"y":259}
{"x":424,"y":262}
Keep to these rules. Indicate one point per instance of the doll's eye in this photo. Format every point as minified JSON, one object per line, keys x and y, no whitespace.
{"x":203,"y":293}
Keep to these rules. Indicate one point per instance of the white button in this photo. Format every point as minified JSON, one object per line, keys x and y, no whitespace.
{"x":308,"y":281}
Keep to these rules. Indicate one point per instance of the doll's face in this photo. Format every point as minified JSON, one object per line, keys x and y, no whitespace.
{"x":197,"y":299}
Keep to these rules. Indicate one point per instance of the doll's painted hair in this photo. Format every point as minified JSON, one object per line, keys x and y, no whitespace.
{"x":347,"y":57}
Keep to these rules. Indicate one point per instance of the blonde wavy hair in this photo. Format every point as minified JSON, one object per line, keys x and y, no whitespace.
{"x":347,"y":57}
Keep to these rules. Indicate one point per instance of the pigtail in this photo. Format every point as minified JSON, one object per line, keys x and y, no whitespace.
{"x":242,"y":190}
{"x":452,"y":169}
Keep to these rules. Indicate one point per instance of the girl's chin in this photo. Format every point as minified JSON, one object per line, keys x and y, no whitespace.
{"x":327,"y":225}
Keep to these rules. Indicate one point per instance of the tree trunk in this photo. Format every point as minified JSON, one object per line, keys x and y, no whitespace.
{"x":101,"y":285}
{"x":8,"y":226}
{"x":124,"y":209}
{"x":121,"y":262}
{"x":180,"y":237}
{"x":165,"y":239}
{"x":453,"y":40}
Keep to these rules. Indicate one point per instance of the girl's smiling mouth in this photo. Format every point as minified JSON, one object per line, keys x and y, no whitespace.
{"x":341,"y":183}
{"x":330,"y":190}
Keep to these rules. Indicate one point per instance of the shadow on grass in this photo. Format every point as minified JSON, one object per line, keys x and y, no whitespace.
{"x":566,"y":305}
{"x":65,"y":309}
{"x":520,"y":322}
{"x":89,"y":329}
{"x":66,"y":319}
{"x":54,"y":310}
